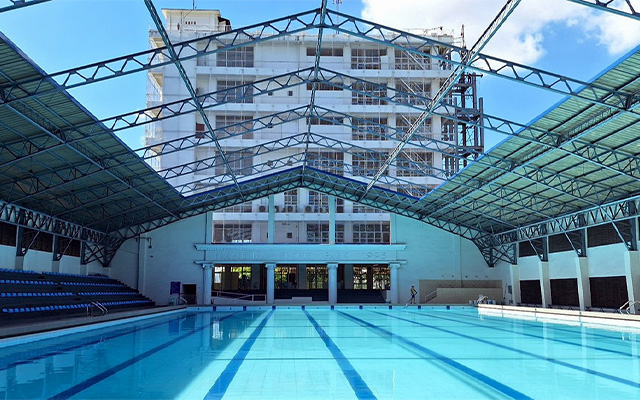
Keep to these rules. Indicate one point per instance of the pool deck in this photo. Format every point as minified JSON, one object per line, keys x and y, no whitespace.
{"x":31,"y":326}
{"x":574,"y":317}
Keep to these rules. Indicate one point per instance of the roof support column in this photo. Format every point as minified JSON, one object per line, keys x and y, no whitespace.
{"x":271,"y":283}
{"x":545,"y":283}
{"x":584,"y":288}
{"x":632,"y":273}
{"x":207,"y":283}
{"x":19,"y":261}
{"x":516,"y":298}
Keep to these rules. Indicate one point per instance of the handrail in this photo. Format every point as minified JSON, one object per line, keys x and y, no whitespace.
{"x":431,"y":296}
{"x":627,"y":306}
{"x":99,"y":306}
{"x":183,"y":300}
{"x":239,"y":296}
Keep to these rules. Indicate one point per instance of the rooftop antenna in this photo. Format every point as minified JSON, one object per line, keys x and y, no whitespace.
{"x":194,"y":4}
{"x":337,"y":3}
{"x":464,"y":45}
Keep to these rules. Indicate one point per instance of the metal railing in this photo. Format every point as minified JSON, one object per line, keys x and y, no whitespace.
{"x":239,"y":296}
{"x":431,"y":296}
{"x":94,"y":304}
{"x":626,"y":307}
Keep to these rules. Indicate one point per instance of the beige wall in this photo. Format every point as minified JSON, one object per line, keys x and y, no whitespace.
{"x":463,"y":295}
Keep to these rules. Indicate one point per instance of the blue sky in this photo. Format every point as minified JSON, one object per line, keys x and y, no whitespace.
{"x":553,"y":35}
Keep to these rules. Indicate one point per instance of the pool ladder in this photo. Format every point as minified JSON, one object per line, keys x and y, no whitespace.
{"x":99,"y":306}
{"x":626,"y":307}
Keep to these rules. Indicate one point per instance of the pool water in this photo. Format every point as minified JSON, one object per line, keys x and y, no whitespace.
{"x":318,"y":353}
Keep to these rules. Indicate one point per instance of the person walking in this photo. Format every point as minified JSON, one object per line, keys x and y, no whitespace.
{"x":413,"y":295}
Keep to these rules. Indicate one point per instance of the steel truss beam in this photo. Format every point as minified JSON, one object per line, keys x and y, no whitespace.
{"x":185,"y":79}
{"x":532,"y":135}
{"x":40,"y":222}
{"x":608,"y":213}
{"x":568,"y":185}
{"x":394,"y":38}
{"x":159,"y":57}
{"x":466,"y":59}
{"x":348,"y":189}
{"x":316,"y":71}
{"x":20,"y":4}
{"x":626,"y":8}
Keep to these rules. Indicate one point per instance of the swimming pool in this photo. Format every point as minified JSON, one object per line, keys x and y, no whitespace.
{"x":318,"y":353}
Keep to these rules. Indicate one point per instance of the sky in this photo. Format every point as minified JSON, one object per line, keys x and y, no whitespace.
{"x":554,"y":35}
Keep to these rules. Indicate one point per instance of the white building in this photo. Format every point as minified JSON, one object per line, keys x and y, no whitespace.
{"x":355,"y":128}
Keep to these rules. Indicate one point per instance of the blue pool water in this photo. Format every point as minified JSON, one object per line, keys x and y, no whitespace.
{"x":315,"y":353}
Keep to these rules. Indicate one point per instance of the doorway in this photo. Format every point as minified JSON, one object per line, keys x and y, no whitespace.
{"x":189,"y":293}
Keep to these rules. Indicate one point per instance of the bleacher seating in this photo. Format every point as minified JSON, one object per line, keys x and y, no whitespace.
{"x":360,"y":296}
{"x":29,"y":294}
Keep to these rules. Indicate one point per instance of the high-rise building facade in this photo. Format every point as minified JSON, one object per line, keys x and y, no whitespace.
{"x":366,"y":97}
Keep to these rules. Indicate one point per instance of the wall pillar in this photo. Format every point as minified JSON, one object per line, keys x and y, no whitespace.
{"x":584,"y":288}
{"x":632,"y":273}
{"x":207,"y":279}
{"x":333,"y":283}
{"x":545,"y":283}
{"x":332,"y":220}
{"x":393,"y":276}
{"x":19,"y":263}
{"x":302,"y":276}
{"x":271,"y":283}
{"x":271,"y":222}
{"x":348,"y":276}
{"x":55,"y":266}
{"x":516,"y":298}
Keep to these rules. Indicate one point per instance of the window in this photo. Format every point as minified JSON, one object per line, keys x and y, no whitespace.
{"x":68,"y":247}
{"x":286,"y":276}
{"x":291,"y":201}
{"x":7,"y":234}
{"x":241,"y":57}
{"x":404,"y":123}
{"x":317,"y":276}
{"x":381,"y":277}
{"x":319,"y":233}
{"x":234,"y":92}
{"x":233,"y":125}
{"x":241,"y":162}
{"x":371,"y":129}
{"x":415,"y":92}
{"x":406,"y":60}
{"x":332,"y":161}
{"x":325,"y":52}
{"x":366,"y":93}
{"x":243,"y":274}
{"x":319,"y":202}
{"x":367,"y":58}
{"x":371,"y":233}
{"x":414,"y":163}
{"x":325,"y":120}
{"x":232,"y":233}
{"x":367,"y":164}
{"x":36,"y":240}
{"x":360,"y":277}
{"x":200,"y":131}
{"x":324,"y":86}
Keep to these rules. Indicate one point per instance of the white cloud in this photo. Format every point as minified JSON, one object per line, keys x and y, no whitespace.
{"x":523,"y":35}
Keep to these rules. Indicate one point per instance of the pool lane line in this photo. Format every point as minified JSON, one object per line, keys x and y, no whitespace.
{"x":523,"y":322}
{"x":618,"y":352}
{"x":498,"y":386}
{"x":523,"y":352}
{"x":58,"y":351}
{"x":358,"y":384}
{"x":72,"y":391}
{"x":221,"y":385}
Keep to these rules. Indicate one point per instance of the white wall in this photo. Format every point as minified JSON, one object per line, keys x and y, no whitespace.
{"x":171,"y":258}
{"x":36,"y":260}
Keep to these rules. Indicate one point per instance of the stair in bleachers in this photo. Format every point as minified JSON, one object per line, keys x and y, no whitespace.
{"x":34,"y":294}
{"x":360,"y":296}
